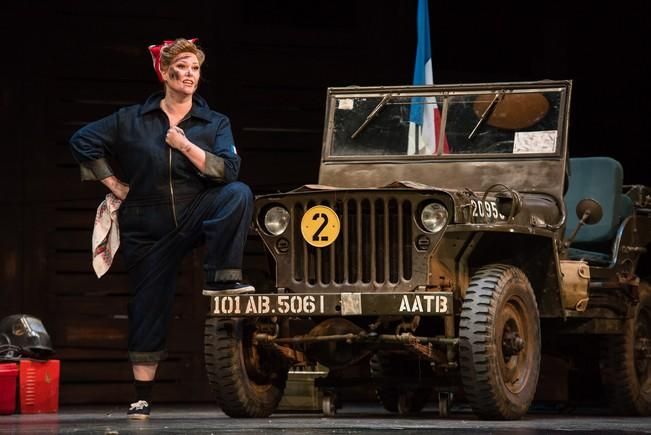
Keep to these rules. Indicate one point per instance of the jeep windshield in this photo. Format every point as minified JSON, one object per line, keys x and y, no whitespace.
{"x":446,"y":121}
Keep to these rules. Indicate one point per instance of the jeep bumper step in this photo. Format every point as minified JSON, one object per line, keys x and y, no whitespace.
{"x":332,"y":304}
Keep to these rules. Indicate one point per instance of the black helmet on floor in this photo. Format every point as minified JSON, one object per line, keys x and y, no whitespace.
{"x":24,"y":335}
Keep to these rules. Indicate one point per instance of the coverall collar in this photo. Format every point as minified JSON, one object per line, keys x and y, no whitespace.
{"x":199,"y":106}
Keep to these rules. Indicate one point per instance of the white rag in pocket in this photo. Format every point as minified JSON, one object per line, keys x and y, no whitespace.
{"x":106,"y":234}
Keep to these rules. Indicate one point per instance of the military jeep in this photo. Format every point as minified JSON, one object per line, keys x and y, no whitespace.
{"x":443,"y":254}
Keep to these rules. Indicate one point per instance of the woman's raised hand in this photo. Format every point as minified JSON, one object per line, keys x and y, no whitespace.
{"x":176,"y":139}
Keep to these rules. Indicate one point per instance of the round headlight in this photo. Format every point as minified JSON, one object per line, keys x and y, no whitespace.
{"x":276,"y":220}
{"x":434,"y":216}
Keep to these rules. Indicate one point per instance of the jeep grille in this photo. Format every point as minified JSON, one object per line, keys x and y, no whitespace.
{"x":373,"y":247}
{"x":380,"y":246}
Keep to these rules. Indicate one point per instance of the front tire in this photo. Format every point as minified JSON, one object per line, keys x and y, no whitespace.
{"x":499,"y":348}
{"x":627,"y":361}
{"x":248,"y":380}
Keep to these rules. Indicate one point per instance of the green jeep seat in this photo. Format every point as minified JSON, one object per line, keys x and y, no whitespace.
{"x":601,"y":179}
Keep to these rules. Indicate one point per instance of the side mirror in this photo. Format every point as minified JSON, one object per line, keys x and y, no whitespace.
{"x":589,"y":211}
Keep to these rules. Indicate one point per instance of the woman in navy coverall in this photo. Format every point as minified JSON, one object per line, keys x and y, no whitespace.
{"x":178,"y":171}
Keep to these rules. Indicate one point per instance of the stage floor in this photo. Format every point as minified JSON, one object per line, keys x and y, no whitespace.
{"x":354,"y":419}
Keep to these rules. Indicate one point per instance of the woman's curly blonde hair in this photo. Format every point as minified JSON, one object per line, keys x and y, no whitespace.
{"x":180,"y":45}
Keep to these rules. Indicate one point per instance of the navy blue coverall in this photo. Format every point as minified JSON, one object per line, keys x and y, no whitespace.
{"x":171,"y":206}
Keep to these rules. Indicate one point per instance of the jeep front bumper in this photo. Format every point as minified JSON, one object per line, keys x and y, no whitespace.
{"x":333,"y":304}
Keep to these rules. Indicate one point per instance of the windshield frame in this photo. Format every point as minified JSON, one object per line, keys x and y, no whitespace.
{"x":442,"y":92}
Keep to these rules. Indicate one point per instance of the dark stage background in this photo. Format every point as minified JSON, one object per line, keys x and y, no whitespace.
{"x":268,"y":66}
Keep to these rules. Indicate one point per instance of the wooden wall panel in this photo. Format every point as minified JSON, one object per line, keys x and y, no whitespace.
{"x":265,"y":69}
{"x":90,"y":381}
{"x":87,"y":317}
{"x":269,"y":63}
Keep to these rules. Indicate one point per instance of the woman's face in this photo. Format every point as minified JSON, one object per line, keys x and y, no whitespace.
{"x":183,"y":74}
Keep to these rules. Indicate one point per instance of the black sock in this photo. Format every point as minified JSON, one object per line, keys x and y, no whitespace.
{"x":143,"y":390}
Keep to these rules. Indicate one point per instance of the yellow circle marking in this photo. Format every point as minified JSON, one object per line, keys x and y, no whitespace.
{"x":320,"y":226}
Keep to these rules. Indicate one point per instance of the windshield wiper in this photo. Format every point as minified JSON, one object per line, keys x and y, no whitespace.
{"x":372,"y":115}
{"x":486,"y":114}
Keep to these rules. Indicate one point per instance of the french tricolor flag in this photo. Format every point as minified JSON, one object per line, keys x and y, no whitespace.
{"x":425,"y":117}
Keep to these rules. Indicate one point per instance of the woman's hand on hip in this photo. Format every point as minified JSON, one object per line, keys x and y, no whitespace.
{"x":117,"y":187}
{"x":121,"y":190}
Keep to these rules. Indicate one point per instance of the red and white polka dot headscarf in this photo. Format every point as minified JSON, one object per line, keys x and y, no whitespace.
{"x":155,"y":50}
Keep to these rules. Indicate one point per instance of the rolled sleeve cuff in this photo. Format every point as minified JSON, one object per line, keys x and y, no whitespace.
{"x":214,"y":167}
{"x":95,"y":170}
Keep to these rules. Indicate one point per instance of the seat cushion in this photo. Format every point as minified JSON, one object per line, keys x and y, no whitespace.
{"x":591,"y":257}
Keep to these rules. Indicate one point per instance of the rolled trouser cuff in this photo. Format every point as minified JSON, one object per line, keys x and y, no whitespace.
{"x":223,"y":275}
{"x":147,"y":357}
